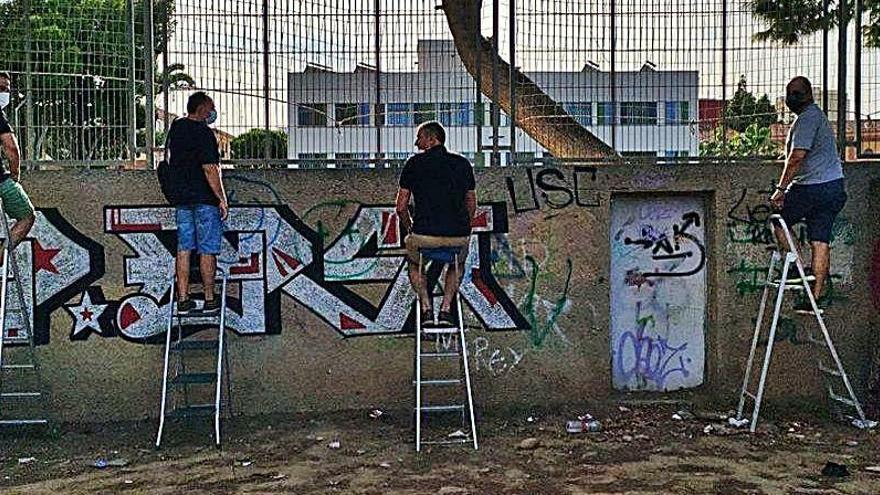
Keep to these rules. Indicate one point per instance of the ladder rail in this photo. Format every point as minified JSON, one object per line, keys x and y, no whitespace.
{"x":220,"y":350}
{"x":419,"y":324}
{"x":162,"y":403}
{"x":464,"y":360}
{"x":756,"y":336}
{"x":771,"y":338}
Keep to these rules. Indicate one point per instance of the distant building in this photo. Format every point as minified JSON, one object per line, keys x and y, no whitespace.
{"x":337,"y":116}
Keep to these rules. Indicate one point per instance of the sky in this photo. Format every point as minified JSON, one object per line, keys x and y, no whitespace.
{"x":221,"y":44}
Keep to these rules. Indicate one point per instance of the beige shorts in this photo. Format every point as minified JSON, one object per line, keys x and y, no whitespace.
{"x":414,"y":242}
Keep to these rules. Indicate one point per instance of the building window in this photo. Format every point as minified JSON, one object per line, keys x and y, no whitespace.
{"x":353,"y":114}
{"x":638,"y":113}
{"x":424,"y":112}
{"x":311,"y":114}
{"x":456,"y":114}
{"x":677,"y":113}
{"x":581,"y":112}
{"x":677,"y":153}
{"x":504,"y":118}
{"x":523,"y":158}
{"x":352,"y":160}
{"x":312,"y":160}
{"x":604,"y":113}
{"x":399,"y":115}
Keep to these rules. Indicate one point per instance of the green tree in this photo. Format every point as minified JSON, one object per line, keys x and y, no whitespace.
{"x":744,"y":109}
{"x":252,"y":144}
{"x":788,"y":21}
{"x":753,"y":142}
{"x":79,"y":53}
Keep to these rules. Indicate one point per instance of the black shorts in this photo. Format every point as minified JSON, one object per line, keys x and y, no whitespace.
{"x":817,"y":205}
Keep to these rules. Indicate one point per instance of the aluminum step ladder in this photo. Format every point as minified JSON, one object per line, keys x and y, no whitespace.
{"x":22,"y":402}
{"x":832,"y":374}
{"x":458,"y":355}
{"x":177,"y":386}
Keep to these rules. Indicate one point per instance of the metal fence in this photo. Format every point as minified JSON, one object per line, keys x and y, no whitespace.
{"x":327,"y":83}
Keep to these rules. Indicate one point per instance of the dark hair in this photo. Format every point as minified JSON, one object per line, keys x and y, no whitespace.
{"x":435,"y":129}
{"x":5,"y":75}
{"x":196,"y":100}
{"x":802,"y":85}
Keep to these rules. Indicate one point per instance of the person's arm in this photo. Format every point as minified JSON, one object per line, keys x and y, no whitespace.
{"x":10,"y":146}
{"x":470,"y":202}
{"x":402,"y":207}
{"x":215,"y":181}
{"x":792,"y":166}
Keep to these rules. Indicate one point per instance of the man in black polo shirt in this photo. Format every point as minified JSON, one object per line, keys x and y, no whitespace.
{"x":441,"y":185}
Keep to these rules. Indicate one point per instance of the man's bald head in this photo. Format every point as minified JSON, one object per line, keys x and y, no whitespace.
{"x":798,"y":94}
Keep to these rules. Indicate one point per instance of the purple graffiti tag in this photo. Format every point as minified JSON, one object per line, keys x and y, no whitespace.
{"x":653,"y":358}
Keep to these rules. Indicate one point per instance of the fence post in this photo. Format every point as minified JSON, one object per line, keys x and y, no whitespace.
{"x":29,"y":149}
{"x":857,"y":80}
{"x":131,"y":107}
{"x":149,"y":103}
{"x":841,"y":78}
{"x":512,"y":35}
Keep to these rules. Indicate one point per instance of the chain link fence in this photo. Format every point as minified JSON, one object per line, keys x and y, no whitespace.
{"x":325,"y":83}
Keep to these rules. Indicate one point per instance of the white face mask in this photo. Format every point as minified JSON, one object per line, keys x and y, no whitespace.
{"x":4,"y":100}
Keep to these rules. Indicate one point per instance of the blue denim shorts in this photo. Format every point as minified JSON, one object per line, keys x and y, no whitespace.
{"x":199,"y":227}
{"x":817,"y":205}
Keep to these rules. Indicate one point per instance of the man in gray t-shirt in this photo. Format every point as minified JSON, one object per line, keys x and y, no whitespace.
{"x":811,"y":187}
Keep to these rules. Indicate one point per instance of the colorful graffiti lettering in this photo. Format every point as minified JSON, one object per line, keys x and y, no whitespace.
{"x":268,"y":251}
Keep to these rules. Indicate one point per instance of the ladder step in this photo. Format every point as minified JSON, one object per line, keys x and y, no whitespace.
{"x":440,"y":354}
{"x":829,"y":371}
{"x":788,"y":286}
{"x":22,"y":422}
{"x":445,"y":408}
{"x":18,"y":367}
{"x":750,"y":395}
{"x":453,"y":381}
{"x":467,"y":439}
{"x":20,"y":395}
{"x":440,"y":330}
{"x":841,"y":399}
{"x":193,"y":410}
{"x":187,"y":378}
{"x":195,"y":345}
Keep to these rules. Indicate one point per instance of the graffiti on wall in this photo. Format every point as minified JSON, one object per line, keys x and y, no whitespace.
{"x":55,"y":262}
{"x":267,"y":252}
{"x":550,"y":188}
{"x":750,"y":235}
{"x":658,"y":293}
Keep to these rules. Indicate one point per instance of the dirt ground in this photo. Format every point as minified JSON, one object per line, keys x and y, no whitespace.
{"x":641,"y":450}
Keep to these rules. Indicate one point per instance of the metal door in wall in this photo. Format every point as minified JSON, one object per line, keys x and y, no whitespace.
{"x":658,"y":292}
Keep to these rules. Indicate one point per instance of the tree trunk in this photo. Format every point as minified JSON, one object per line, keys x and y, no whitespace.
{"x":537,"y":113}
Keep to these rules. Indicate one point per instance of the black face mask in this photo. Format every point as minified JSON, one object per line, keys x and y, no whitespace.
{"x":796,"y":101}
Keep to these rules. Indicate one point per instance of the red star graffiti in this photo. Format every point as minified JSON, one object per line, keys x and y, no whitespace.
{"x":86,"y":314}
{"x":43,"y":258}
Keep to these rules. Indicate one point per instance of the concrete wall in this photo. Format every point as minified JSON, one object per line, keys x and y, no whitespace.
{"x":320,"y":299}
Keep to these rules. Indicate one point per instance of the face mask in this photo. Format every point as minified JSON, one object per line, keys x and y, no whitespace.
{"x":795,"y":102}
{"x":4,"y":100}
{"x":212,"y":117}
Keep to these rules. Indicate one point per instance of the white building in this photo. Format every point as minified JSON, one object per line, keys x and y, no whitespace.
{"x":335,"y":115}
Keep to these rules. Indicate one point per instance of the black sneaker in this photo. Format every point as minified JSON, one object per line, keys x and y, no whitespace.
{"x":805,"y":308}
{"x":212,"y":305}
{"x":428,"y":318}
{"x":445,"y":318}
{"x":185,"y":306}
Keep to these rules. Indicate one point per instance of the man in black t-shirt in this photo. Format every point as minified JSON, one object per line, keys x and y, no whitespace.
{"x":441,"y":185}
{"x":16,"y":203}
{"x":193,"y":154}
